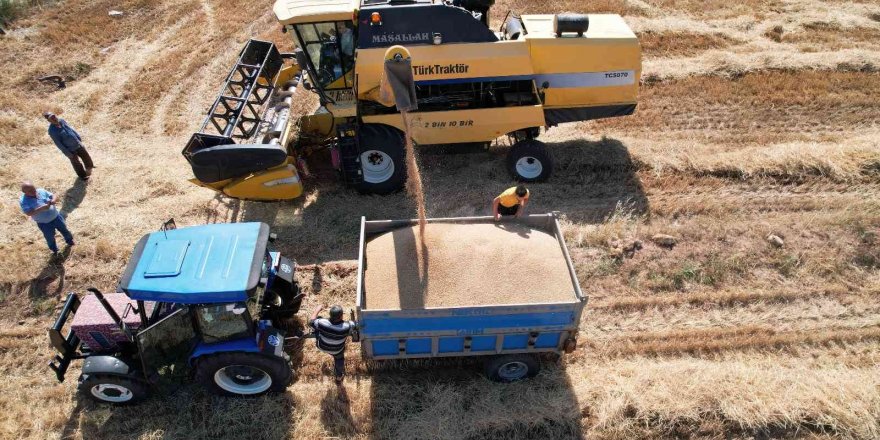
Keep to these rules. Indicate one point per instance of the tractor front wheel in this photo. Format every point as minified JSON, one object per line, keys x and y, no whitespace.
{"x":243,"y":374}
{"x":529,"y":161}
{"x":283,"y":302}
{"x":382,"y":159}
{"x":117,"y":390}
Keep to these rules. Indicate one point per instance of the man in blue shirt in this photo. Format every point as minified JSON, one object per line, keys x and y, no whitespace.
{"x":39,"y":204}
{"x":70,"y":143}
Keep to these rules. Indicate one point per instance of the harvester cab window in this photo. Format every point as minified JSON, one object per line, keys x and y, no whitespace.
{"x":330,"y":47}
{"x":224,"y":322}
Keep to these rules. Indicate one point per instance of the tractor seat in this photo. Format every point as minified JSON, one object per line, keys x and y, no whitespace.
{"x":223,"y":162}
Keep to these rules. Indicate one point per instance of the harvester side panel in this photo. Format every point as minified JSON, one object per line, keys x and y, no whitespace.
{"x":479,"y":125}
{"x":601,"y":68}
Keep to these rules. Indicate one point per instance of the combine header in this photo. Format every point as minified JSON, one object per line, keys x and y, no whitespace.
{"x":473,"y":84}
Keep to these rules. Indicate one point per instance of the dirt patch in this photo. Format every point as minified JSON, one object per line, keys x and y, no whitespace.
{"x":465,"y":265}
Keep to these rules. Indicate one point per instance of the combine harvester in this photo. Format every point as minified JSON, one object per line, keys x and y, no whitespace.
{"x":473,"y":85}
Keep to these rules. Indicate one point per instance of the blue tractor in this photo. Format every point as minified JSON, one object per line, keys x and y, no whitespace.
{"x":204,"y":302}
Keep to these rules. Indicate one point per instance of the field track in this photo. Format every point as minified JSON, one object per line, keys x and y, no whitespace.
{"x":755,"y":118}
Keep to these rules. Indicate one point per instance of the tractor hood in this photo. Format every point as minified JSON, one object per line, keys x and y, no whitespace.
{"x":217,"y":263}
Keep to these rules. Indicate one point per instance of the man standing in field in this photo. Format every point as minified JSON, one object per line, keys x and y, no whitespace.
{"x":39,"y":204}
{"x":331,"y":336}
{"x":70,"y":143}
{"x":511,"y":202}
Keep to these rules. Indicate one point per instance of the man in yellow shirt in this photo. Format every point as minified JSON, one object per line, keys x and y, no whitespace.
{"x":511,"y":202}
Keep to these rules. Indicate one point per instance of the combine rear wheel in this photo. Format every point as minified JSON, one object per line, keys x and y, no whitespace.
{"x":243,"y":374}
{"x":382,"y":159}
{"x":529,"y":161}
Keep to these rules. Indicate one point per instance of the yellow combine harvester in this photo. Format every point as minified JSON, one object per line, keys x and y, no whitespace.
{"x":473,"y":85}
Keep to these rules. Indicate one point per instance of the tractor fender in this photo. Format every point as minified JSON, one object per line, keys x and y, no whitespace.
{"x":110,"y":365}
{"x":246,"y":345}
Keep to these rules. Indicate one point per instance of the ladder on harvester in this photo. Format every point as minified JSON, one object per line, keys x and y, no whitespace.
{"x":235,"y":114}
{"x":349,"y":154}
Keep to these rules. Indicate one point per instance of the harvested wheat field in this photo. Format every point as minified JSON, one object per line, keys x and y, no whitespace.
{"x":465,"y":265}
{"x":755,"y":118}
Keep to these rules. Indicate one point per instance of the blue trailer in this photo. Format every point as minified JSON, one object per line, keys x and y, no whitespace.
{"x":509,"y":336}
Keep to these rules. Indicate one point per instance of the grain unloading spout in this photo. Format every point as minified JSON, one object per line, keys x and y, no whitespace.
{"x":398,"y":82}
{"x":398,"y":86}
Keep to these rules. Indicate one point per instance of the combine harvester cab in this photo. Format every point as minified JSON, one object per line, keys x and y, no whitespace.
{"x":205,"y":302}
{"x":473,"y":85}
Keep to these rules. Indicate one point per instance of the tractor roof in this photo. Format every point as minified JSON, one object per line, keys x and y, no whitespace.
{"x":217,"y":263}
{"x":314,"y":11}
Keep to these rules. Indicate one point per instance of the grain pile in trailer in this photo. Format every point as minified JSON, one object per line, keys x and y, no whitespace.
{"x":465,"y":265}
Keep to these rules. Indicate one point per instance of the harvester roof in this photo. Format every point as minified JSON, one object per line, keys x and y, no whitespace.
{"x":217,"y":263}
{"x":313,"y":11}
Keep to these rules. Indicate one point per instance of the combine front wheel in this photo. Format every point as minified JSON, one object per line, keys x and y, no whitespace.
{"x":529,"y":161}
{"x":382,"y":159}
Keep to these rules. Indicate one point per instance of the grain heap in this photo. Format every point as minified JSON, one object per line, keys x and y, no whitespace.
{"x":468,"y":264}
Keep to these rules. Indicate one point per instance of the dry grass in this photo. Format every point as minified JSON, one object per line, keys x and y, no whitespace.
{"x":719,"y":8}
{"x":737,"y":136}
{"x":655,"y":44}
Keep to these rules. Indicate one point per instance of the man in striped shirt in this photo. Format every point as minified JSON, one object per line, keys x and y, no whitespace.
{"x":331,"y":335}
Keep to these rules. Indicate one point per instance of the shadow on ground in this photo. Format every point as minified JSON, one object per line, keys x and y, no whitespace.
{"x":74,"y":196}
{"x":187,"y":413}
{"x":592,"y":180}
{"x":451,"y":399}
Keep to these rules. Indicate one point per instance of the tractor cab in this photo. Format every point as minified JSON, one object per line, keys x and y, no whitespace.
{"x":196,"y":298}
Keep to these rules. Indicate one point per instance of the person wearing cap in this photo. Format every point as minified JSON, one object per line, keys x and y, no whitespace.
{"x":70,"y":143}
{"x":39,"y":204}
{"x":511,"y":202}
{"x":331,"y":336}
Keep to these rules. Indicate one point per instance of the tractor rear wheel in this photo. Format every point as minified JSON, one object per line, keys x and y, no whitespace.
{"x":512,"y":367}
{"x":243,"y":374}
{"x":529,"y":161}
{"x":117,"y":390}
{"x":382,"y":159}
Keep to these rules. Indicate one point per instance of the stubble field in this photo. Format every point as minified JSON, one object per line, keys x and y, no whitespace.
{"x":755,"y":118}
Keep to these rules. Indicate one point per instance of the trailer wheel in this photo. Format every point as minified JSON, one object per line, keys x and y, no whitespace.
{"x":382,"y":159}
{"x":243,"y":374}
{"x":114,"y":389}
{"x":512,"y":367}
{"x":529,"y":161}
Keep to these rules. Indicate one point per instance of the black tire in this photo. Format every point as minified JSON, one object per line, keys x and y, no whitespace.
{"x":536,"y":165}
{"x":117,"y":390}
{"x":243,"y":374}
{"x":512,"y":367}
{"x":379,"y":144}
{"x":283,"y":302}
